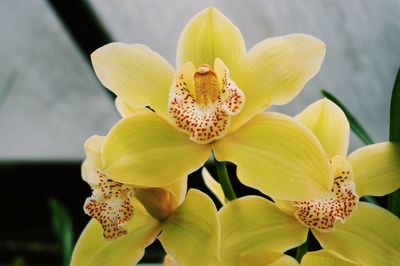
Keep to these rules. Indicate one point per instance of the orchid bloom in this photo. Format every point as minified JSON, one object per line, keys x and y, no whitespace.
{"x":367,"y":234}
{"x":213,"y":101}
{"x":255,"y":232}
{"x":128,"y":218}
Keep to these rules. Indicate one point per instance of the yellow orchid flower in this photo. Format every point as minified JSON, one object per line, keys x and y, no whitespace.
{"x":367,"y":234}
{"x":255,"y":232}
{"x":128,"y":218}
{"x":213,"y":102}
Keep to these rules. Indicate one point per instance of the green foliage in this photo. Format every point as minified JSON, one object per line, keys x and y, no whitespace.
{"x":18,"y":261}
{"x":394,"y":135}
{"x":6,"y":89}
{"x":62,"y":226}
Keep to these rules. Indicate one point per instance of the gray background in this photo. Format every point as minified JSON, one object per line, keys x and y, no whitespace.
{"x":57,"y":102}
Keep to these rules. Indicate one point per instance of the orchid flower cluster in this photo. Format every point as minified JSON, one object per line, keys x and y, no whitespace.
{"x":213,"y":104}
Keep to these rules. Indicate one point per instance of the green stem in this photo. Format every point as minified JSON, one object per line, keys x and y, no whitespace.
{"x":223,"y":177}
{"x":301,"y":250}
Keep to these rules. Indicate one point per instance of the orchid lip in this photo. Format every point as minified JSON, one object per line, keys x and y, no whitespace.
{"x":323,"y":213}
{"x":203,"y":100}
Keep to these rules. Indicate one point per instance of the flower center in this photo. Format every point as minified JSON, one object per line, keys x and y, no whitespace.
{"x":203,"y":100}
{"x":322,"y":213}
{"x":206,"y":86}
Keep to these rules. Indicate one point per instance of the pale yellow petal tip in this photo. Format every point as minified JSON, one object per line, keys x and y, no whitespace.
{"x":213,"y":186}
{"x":316,"y":42}
{"x":93,"y":146}
{"x":96,"y":53}
{"x":170,"y":261}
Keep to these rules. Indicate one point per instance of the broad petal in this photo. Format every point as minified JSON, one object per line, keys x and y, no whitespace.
{"x":140,"y":76}
{"x":329,"y":124}
{"x":207,"y":36}
{"x":145,"y":150}
{"x":213,"y":186}
{"x":376,"y":168}
{"x":370,"y":237}
{"x":263,"y":256}
{"x":253,"y":222}
{"x":278,"y":156}
{"x":93,"y":249}
{"x":326,"y":258}
{"x":275,"y":70}
{"x":192,"y":234}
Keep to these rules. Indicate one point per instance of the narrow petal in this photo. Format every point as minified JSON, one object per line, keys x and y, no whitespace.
{"x":376,"y":168}
{"x":213,"y":186}
{"x":170,"y":261}
{"x":209,"y":35}
{"x":275,"y":70}
{"x":145,"y":150}
{"x":93,"y":249}
{"x":370,"y":237}
{"x":191,"y":235}
{"x":140,"y":76}
{"x":93,"y":149}
{"x":326,"y":258}
{"x":178,"y":192}
{"x":162,"y":202}
{"x":278,"y":156}
{"x":125,"y":109}
{"x":253,"y":222}
{"x":263,"y":256}
{"x":329,"y":124}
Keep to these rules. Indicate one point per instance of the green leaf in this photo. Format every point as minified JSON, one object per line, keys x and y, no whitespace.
{"x":394,"y":135}
{"x":62,"y":226}
{"x":354,"y":124}
{"x":6,"y":89}
{"x":394,"y":128}
{"x":18,"y":261}
{"x":394,"y":202}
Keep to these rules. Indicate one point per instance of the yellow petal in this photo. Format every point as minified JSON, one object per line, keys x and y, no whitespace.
{"x":209,"y":35}
{"x":191,"y":234}
{"x":162,"y":202}
{"x":125,"y":109}
{"x":371,"y":236}
{"x":253,"y":222}
{"x":213,"y":186}
{"x":93,"y":147}
{"x":329,"y":124}
{"x":278,"y":156}
{"x":275,"y":70}
{"x":145,"y":150}
{"x":325,"y":258}
{"x":376,"y":168}
{"x":178,"y":192}
{"x":93,"y":249}
{"x":263,"y":256}
{"x":140,"y":76}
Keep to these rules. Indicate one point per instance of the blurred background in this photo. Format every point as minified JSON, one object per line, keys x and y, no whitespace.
{"x":51,"y":100}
